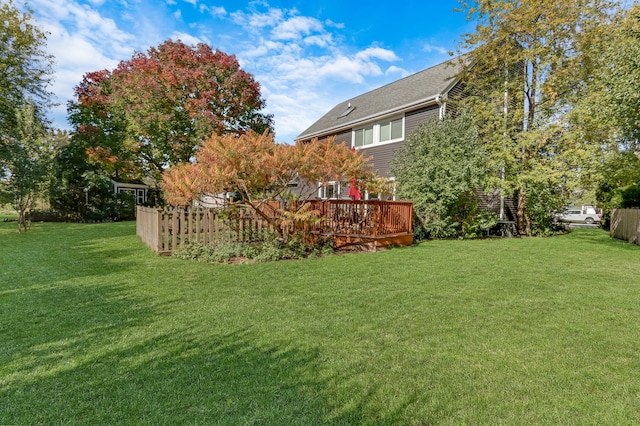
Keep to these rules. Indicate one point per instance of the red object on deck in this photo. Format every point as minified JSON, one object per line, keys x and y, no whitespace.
{"x":354,"y":193}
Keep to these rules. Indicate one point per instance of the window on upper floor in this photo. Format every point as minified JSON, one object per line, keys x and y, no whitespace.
{"x":363,"y":136}
{"x":391,"y":130}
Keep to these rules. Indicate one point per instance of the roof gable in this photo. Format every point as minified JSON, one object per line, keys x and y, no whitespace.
{"x":395,"y":97}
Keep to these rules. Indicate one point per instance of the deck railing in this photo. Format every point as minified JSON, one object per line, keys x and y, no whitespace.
{"x":163,"y":230}
{"x":363,"y":217}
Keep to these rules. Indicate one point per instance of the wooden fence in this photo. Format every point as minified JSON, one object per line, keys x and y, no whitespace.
{"x":625,"y":225}
{"x":163,"y":230}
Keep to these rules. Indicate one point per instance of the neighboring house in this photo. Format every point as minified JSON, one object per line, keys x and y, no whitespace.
{"x":137,"y":188}
{"x":378,"y":122}
{"x":214,"y":201}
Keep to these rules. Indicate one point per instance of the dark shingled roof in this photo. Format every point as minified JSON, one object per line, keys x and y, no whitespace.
{"x":414,"y":90}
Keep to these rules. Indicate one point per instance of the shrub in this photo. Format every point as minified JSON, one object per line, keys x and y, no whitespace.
{"x":479,"y":224}
{"x":440,"y":168}
{"x":271,"y":248}
{"x":630,"y":196}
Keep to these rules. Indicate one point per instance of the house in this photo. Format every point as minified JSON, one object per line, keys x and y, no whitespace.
{"x":378,"y":123}
{"x":135,"y":187}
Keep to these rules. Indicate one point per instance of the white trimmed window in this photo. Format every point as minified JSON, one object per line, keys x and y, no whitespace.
{"x":330,"y":191}
{"x":140,"y":199}
{"x":391,"y":130}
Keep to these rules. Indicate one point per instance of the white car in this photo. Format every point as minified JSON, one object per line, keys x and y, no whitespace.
{"x":580,"y":215}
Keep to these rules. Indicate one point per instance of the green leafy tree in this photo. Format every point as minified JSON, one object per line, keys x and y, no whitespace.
{"x":25,"y":69}
{"x":614,"y":99}
{"x":81,"y":190}
{"x":100,"y":134}
{"x":618,"y":182}
{"x":25,"y":72}
{"x":610,"y":111}
{"x":28,"y":164}
{"x":526,"y":69}
{"x":441,"y":168}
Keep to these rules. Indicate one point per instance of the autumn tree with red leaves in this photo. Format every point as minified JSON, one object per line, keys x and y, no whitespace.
{"x":260,"y":172}
{"x":101,"y":129}
{"x":154,"y":109}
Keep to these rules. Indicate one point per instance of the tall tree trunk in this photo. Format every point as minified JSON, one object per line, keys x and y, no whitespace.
{"x":524,"y":228}
{"x":20,"y":208}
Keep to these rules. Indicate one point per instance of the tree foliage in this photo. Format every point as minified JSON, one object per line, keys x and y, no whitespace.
{"x":25,"y":68}
{"x":28,"y":164}
{"x":619,"y":182}
{"x":154,"y":109}
{"x":260,"y":171}
{"x":441,"y":168}
{"x":610,"y":112}
{"x":612,"y":105}
{"x":100,"y":129}
{"x":526,"y":69}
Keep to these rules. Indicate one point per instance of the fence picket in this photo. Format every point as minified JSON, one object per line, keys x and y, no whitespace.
{"x":625,"y":225}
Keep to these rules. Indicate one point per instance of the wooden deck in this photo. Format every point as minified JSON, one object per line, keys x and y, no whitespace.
{"x":353,"y":225}
{"x":353,"y":242}
{"x":365,"y":224}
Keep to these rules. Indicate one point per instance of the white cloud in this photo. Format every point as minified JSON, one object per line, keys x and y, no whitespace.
{"x":215,"y":11}
{"x":295,"y":110}
{"x":376,"y":53}
{"x":437,"y":49}
{"x":348,"y":69}
{"x":256,"y":21}
{"x":81,"y":40}
{"x":187,"y":39}
{"x":302,"y":68}
{"x":301,"y":62}
{"x":294,"y":28}
{"x":75,"y":56}
{"x":330,"y":23}
{"x":394,"y":71}
{"x":300,"y":87}
{"x":261,"y":49}
{"x":320,"y":40}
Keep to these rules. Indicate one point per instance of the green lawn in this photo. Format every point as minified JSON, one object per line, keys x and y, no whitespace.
{"x":8,"y":214}
{"x":96,"y":329}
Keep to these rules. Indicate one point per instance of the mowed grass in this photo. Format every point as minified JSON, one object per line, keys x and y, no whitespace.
{"x":96,"y":329}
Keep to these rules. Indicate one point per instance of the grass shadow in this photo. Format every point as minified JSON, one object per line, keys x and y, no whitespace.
{"x":179,"y":378}
{"x":51,"y":253}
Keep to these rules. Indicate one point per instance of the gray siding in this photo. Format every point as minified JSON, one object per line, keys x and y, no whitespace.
{"x":382,"y":155}
{"x":344,"y":137}
{"x":455,"y":95}
{"x":414,"y":118}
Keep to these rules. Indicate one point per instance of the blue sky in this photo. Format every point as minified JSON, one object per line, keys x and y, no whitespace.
{"x":307,"y":55}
